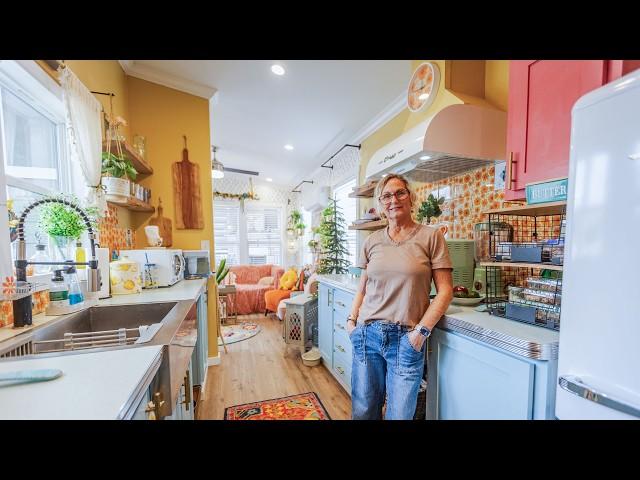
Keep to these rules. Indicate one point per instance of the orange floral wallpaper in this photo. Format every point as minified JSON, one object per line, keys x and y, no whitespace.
{"x":40,"y":300}
{"x":470,"y":194}
{"x":114,"y":237}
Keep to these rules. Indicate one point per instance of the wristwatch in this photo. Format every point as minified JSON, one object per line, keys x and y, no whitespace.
{"x":354,"y":320}
{"x":423,"y":330}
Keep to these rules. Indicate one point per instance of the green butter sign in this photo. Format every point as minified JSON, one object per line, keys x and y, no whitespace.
{"x":553,"y":191}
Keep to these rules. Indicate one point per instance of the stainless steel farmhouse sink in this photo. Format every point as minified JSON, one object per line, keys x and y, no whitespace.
{"x":102,"y":327}
{"x":172,"y":325}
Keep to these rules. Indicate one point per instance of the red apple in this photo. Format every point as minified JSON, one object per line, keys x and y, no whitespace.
{"x":461,"y":288}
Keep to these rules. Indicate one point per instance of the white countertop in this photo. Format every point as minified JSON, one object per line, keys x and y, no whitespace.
{"x":517,"y":337}
{"x":93,"y":386}
{"x":183,"y":290}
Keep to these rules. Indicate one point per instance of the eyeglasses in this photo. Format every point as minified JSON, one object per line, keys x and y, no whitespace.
{"x":401,"y":194}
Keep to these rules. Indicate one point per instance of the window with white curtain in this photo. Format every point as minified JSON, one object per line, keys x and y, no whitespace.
{"x":349,"y":211}
{"x":32,"y":142}
{"x":254,"y":236}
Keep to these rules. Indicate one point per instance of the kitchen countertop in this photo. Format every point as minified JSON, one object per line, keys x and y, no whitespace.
{"x":96,"y":386}
{"x":520,"y":338}
{"x":183,"y":290}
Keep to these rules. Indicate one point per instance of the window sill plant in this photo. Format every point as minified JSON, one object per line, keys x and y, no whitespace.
{"x":64,"y":225}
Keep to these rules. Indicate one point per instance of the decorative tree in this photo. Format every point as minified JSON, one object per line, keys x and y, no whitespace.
{"x":333,"y":240}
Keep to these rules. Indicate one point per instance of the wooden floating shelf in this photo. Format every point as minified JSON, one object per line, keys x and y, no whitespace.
{"x":139,"y":163}
{"x":375,"y":225}
{"x":542,"y":266}
{"x":363,"y":192}
{"x":552,"y":208}
{"x":130,"y":203}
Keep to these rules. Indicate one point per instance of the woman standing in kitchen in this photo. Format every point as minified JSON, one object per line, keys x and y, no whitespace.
{"x":391,"y":316}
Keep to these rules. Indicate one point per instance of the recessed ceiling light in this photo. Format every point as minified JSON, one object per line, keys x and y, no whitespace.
{"x":277,"y":69}
{"x":288,"y":147}
{"x":425,"y":157}
{"x":269,"y":179}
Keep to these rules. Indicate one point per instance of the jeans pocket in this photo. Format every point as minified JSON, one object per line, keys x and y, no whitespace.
{"x":409,"y":359}
{"x":350,"y":335}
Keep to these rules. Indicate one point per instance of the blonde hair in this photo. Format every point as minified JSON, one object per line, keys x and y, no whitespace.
{"x":380,"y":187}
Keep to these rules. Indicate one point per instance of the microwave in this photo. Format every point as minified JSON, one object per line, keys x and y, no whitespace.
{"x":170,"y":263}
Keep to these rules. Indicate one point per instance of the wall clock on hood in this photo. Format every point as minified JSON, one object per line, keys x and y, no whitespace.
{"x":423,"y":87}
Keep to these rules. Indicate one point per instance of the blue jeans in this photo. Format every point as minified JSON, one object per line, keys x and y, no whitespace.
{"x":383,"y":359}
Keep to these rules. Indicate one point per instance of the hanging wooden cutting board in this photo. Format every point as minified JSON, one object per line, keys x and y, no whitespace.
{"x":186,"y":192}
{"x":164,"y":226}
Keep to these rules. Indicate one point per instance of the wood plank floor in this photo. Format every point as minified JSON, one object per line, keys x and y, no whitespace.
{"x":264,"y":367}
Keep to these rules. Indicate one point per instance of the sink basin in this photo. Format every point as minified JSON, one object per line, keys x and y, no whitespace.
{"x":95,"y":327}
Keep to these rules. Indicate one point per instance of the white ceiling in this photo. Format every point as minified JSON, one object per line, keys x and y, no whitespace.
{"x":317,"y":106}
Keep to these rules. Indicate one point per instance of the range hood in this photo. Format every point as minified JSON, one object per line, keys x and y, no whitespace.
{"x":455,"y":140}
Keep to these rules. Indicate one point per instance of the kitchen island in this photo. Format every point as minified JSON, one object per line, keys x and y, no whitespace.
{"x":478,"y":365}
{"x":119,"y":381}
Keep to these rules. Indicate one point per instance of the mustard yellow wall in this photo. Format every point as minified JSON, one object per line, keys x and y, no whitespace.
{"x":162,"y":115}
{"x":496,"y":86}
{"x":107,"y":76}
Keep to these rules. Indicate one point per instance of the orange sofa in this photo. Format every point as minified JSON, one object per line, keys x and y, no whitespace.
{"x":250,"y":294}
{"x":272,"y":298}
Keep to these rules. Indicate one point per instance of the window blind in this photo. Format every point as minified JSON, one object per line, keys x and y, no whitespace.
{"x":227,"y":233}
{"x":264,"y":235}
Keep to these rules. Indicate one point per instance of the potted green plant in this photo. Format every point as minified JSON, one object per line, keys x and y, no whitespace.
{"x":64,"y":224}
{"x":115,"y":170}
{"x":300,"y":228}
{"x":429,"y":209}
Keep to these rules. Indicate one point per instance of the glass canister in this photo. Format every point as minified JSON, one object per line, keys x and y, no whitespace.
{"x":485,"y":249}
{"x":150,"y":275}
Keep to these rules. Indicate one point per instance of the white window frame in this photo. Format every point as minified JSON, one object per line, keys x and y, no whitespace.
{"x":242,"y":231}
{"x":26,"y":80}
{"x":333,"y":190}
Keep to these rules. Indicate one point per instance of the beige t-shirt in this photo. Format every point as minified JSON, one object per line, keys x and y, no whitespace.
{"x":399,"y":274}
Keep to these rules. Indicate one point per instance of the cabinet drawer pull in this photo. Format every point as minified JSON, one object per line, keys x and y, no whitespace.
{"x":510,"y":179}
{"x":187,"y":390}
{"x":340,"y":370}
{"x":341,"y":304}
{"x":340,"y":326}
{"x":339,"y":347}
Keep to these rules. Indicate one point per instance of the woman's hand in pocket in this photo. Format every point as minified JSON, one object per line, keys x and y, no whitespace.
{"x":416,"y":340}
{"x":351,"y":326}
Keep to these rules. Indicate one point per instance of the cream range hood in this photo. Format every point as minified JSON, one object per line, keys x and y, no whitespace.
{"x":455,"y":140}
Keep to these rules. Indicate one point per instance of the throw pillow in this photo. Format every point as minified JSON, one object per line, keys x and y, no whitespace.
{"x":265,"y":281}
{"x":288,"y":280}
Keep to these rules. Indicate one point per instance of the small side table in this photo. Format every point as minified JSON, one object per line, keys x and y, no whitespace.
{"x":228,"y":292}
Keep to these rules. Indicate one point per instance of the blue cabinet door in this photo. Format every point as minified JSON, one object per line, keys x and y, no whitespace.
{"x":325,"y":324}
{"x":200,"y":352}
{"x":467,"y":380}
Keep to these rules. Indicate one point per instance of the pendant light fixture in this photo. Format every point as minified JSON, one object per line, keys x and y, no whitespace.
{"x":217,"y":168}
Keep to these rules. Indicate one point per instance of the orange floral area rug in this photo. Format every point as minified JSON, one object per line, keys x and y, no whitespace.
{"x":305,"y":406}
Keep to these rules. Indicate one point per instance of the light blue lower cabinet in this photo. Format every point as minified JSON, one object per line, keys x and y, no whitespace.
{"x":325,"y":324}
{"x":470,"y":380}
{"x":333,"y":341}
{"x":201,"y":350}
{"x":183,"y":408}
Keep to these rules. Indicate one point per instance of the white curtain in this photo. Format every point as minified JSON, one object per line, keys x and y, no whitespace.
{"x":83,"y":125}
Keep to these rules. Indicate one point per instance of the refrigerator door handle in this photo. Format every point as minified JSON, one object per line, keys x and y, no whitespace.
{"x":574,"y":385}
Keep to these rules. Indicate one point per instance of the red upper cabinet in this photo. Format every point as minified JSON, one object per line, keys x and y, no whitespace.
{"x":541,"y":96}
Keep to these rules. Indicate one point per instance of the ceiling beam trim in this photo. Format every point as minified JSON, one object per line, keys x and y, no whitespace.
{"x":153,"y":75}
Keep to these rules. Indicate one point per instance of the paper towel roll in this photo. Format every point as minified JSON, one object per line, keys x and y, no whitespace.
{"x":102,"y":255}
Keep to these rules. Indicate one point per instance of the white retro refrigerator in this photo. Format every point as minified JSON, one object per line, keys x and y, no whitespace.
{"x":599,"y":354}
